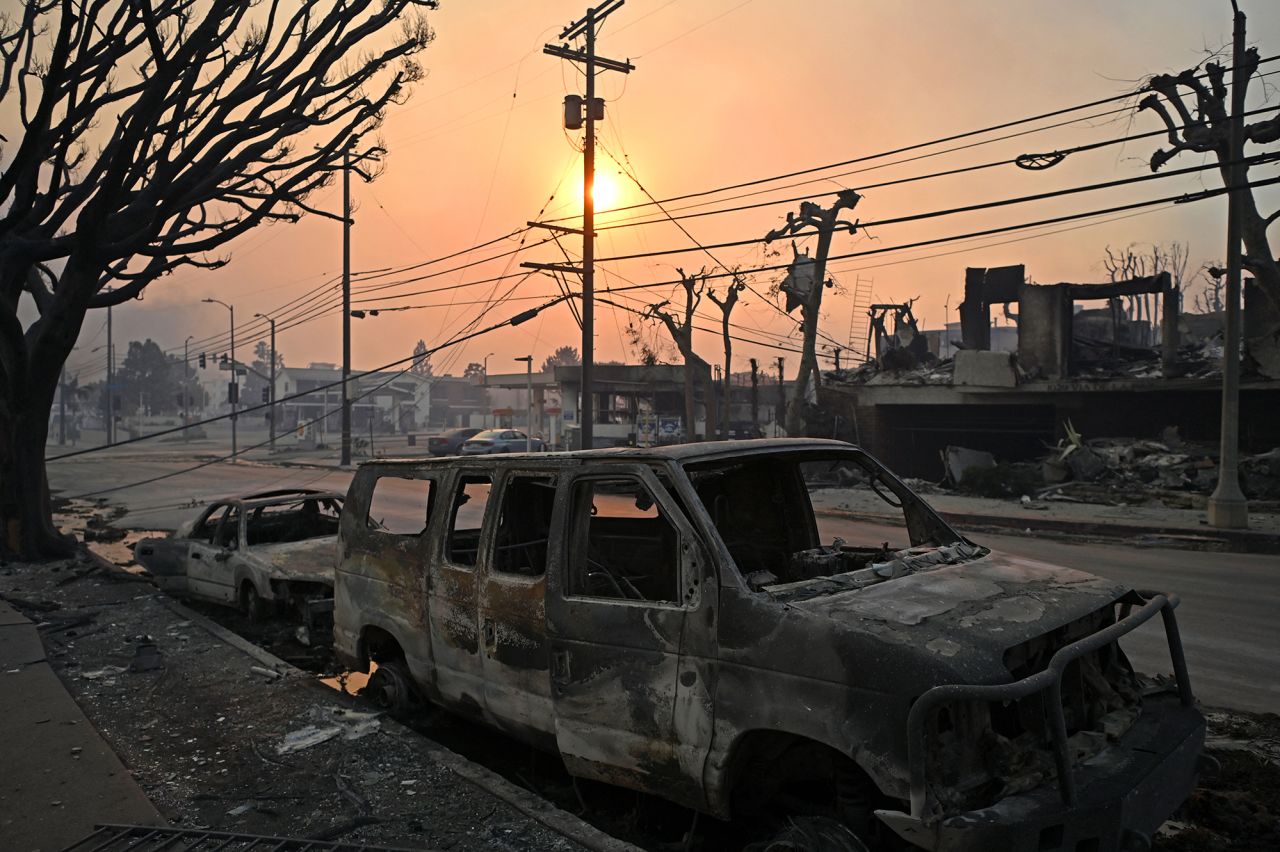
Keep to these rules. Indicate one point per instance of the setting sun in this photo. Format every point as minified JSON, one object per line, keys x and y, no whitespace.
{"x":607,"y":192}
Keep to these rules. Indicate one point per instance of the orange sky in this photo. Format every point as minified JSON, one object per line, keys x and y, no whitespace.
{"x":724,"y":91}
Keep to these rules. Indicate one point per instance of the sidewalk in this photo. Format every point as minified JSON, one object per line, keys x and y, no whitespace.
{"x":60,"y":775}
{"x":1138,"y":525}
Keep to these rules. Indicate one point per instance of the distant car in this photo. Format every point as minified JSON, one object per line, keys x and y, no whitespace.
{"x":500,"y":441}
{"x":260,"y":552}
{"x":742,"y":429}
{"x":448,"y":443}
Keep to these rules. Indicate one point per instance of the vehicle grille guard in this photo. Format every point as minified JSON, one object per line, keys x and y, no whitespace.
{"x":1050,"y":678}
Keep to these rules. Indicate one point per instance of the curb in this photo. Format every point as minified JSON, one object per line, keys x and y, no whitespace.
{"x":1229,"y":541}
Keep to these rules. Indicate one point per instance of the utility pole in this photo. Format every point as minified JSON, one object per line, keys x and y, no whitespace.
{"x":272,"y":418}
{"x":111,"y":382}
{"x":1228,"y":508}
{"x":528,"y":383}
{"x":586,"y":27}
{"x":782,"y":398}
{"x":808,"y":295}
{"x":346,"y":306}
{"x":62,"y":407}
{"x":755,"y":393}
{"x":348,"y":166}
{"x":186,"y":384}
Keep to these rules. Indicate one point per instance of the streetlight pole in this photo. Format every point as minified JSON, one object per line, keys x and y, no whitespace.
{"x":486,"y":390}
{"x":186,"y":384}
{"x":528,"y":432}
{"x":272,"y":399}
{"x":233,"y":388}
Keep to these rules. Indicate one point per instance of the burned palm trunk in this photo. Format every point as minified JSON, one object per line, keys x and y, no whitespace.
{"x":726,"y":308}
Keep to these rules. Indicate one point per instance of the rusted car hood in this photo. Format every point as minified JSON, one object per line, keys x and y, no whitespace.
{"x":968,"y":613}
{"x":312,"y":559}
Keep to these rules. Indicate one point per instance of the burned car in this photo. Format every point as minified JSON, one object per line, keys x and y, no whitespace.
{"x":263,"y":553}
{"x":671,"y":620}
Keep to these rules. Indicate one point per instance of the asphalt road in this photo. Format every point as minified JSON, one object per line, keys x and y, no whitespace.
{"x":1228,"y":616}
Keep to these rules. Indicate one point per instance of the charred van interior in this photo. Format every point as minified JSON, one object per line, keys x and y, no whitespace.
{"x":763,"y":510}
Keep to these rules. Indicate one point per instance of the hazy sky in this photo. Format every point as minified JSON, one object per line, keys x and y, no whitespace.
{"x":725,"y":91}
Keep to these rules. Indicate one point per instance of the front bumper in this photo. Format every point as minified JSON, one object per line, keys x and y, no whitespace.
{"x":1125,"y":793}
{"x":1113,"y":801}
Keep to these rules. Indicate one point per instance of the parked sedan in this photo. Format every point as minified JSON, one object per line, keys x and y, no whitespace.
{"x":500,"y":441}
{"x":259,"y":552}
{"x":448,"y":443}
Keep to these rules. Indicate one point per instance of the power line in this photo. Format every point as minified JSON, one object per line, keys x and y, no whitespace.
{"x":1261,"y":159}
{"x":1172,"y":199}
{"x":641,"y":220}
{"x":904,"y":149}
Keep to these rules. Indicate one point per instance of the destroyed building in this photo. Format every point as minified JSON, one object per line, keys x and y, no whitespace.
{"x":1075,"y":362}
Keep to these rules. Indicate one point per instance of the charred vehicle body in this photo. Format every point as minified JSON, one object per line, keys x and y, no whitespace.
{"x":669,"y":620}
{"x":262,"y":552}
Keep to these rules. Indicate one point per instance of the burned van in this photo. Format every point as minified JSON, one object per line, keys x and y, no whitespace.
{"x":691,"y":621}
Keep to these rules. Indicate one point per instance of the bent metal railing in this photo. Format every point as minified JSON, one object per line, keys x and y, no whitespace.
{"x":1050,"y":678}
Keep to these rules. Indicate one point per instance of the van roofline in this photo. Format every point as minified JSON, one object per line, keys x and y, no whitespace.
{"x":701,"y":451}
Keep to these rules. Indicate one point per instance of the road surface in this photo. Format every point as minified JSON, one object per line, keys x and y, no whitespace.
{"x":1229,"y":606}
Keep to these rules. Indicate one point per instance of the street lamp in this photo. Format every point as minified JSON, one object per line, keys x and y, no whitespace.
{"x":486,"y":389}
{"x":186,"y":384}
{"x":528,"y":431}
{"x":233,"y":389}
{"x":272,"y":419}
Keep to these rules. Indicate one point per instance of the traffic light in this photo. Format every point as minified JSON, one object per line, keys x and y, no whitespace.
{"x":266,"y":393}
{"x":202,"y":361}
{"x":223,"y":359}
{"x":233,"y":393}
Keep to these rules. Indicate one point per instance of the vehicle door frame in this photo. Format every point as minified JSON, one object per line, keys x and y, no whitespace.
{"x":515,"y":653}
{"x":454,"y":600}
{"x":388,"y":573}
{"x":601,"y":699}
{"x":212,"y":578}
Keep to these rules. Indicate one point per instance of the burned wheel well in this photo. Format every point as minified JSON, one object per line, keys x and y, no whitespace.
{"x":380,"y":645}
{"x":775,"y":775}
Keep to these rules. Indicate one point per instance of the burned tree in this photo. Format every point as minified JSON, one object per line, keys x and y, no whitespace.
{"x":805,"y":292}
{"x":681,"y":332}
{"x":1206,"y":129}
{"x":151,"y":135}
{"x":726,"y":306}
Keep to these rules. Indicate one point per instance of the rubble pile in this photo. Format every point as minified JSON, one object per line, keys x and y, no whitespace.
{"x":1171,"y":471}
{"x":934,"y":372}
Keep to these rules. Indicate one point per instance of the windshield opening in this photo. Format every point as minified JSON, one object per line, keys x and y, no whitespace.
{"x":793,"y":517}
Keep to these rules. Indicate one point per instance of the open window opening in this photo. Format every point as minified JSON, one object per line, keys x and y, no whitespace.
{"x":295,"y":520}
{"x":470,"y":501}
{"x":228,"y":534}
{"x":524,"y":525}
{"x":624,"y":547}
{"x":771,"y":511}
{"x":400,"y":506}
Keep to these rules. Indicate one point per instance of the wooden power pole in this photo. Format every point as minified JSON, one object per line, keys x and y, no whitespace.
{"x":586,"y":28}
